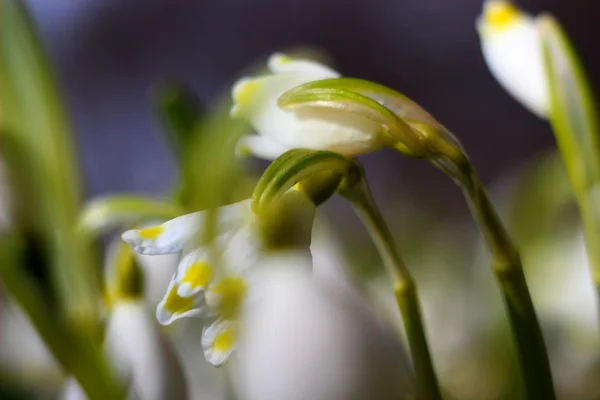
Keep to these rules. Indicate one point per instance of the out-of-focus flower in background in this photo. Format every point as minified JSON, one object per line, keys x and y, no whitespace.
{"x":511,"y":46}
{"x":255,"y":100}
{"x":306,"y":338}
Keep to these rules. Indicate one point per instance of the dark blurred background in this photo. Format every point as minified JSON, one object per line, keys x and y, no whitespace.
{"x":110,"y":53}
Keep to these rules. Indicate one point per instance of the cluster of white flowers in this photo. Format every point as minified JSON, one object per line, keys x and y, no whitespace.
{"x":212,"y":278}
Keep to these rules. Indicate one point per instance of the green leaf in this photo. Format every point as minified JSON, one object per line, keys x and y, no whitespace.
{"x":32,"y":113}
{"x":573,"y":115}
{"x":103,"y":214}
{"x":573,"y":109}
{"x":179,"y":111}
{"x":210,"y":173}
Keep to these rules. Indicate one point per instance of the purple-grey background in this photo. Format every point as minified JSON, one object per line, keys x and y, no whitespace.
{"x":109,"y":53}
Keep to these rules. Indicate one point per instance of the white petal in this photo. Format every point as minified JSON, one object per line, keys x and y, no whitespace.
{"x":295,"y":328}
{"x":194,"y":272}
{"x":259,"y":146}
{"x":242,"y":250}
{"x":219,"y":341}
{"x":312,"y":128}
{"x":511,"y":47}
{"x":280,"y":64}
{"x":143,"y":356}
{"x":173,"y":235}
{"x":173,"y":306}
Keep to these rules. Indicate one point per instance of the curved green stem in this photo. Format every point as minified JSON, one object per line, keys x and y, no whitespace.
{"x":405,"y":290}
{"x":506,"y":264}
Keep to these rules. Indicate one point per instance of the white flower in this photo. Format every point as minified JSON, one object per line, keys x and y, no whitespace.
{"x":255,"y":100}
{"x":136,"y":346}
{"x":306,"y":339}
{"x":511,"y":46}
{"x":143,"y":357}
{"x":211,"y":280}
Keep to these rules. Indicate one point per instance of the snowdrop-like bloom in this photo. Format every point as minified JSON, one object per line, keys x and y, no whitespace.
{"x":279,"y":130}
{"x":512,"y":49}
{"x":211,"y":280}
{"x":305,"y":338}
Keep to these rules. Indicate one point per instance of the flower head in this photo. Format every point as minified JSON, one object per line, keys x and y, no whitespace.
{"x":213,"y":279}
{"x":279,"y":130}
{"x":511,"y":46}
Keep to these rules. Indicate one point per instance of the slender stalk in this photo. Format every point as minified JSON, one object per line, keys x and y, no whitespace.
{"x":506,"y":264}
{"x":405,"y":290}
{"x":576,"y":125}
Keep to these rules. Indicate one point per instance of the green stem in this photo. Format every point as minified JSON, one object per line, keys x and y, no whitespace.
{"x":405,"y":290}
{"x":507,"y":267}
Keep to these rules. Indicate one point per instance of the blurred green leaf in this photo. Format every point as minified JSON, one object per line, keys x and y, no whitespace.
{"x":211,"y":175}
{"x":32,"y":112}
{"x":573,"y":111}
{"x":573,"y":115}
{"x":105,"y":213}
{"x":540,"y":193}
{"x":75,"y":351}
{"x":180,"y":112}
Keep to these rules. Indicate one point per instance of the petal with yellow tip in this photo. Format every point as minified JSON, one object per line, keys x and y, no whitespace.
{"x":173,"y":235}
{"x":281,"y":64}
{"x":511,"y":47}
{"x":194,"y":273}
{"x":219,"y":341}
{"x":173,"y":306}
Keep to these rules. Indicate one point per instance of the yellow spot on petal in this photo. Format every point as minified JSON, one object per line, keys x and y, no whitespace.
{"x":282,"y":60}
{"x":198,"y":274}
{"x":152,"y":232}
{"x":232,"y":291}
{"x":245,"y":92}
{"x":224,"y":341}
{"x":500,"y":14}
{"x":177,"y":304}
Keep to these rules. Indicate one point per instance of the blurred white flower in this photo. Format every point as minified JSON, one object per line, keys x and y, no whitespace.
{"x":279,"y":130}
{"x":305,"y":339}
{"x":23,"y":352}
{"x":511,"y":46}
{"x":142,"y":356}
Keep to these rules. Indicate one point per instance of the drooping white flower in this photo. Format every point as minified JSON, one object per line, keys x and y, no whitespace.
{"x":304,"y":338}
{"x":279,"y":130}
{"x":143,"y":357}
{"x":512,"y":49}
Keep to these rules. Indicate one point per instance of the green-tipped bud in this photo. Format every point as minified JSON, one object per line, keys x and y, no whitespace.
{"x":316,"y":173}
{"x":405,"y":125}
